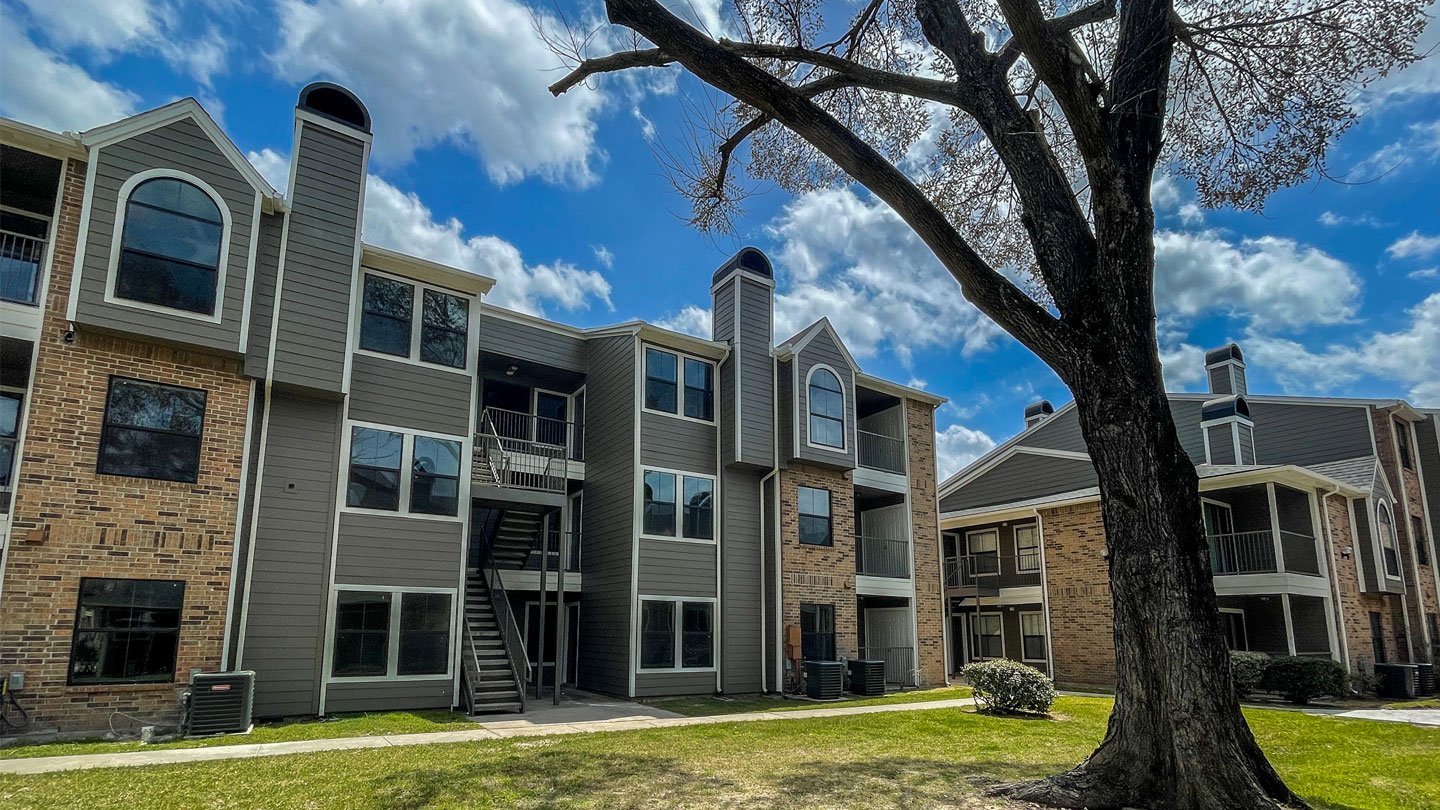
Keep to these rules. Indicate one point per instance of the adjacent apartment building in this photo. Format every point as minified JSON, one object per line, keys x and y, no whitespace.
{"x":235,"y":436}
{"x":1321,"y":515}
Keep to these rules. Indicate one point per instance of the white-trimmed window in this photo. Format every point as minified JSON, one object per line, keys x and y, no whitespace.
{"x":388,"y":326}
{"x":1027,"y":548}
{"x":380,"y":480}
{"x":826,"y":399}
{"x":676,"y":634}
{"x":677,"y":506}
{"x":679,"y":385}
{"x":170,"y":245}
{"x":1032,"y":636}
{"x":986,"y":640}
{"x":1389,"y":549}
{"x":983,"y":549}
{"x":392,"y":633}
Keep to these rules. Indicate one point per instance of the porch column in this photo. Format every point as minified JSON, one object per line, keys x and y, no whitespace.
{"x":1289,"y":621}
{"x":1275,"y":537}
{"x":561,"y":611}
{"x":1334,"y":636}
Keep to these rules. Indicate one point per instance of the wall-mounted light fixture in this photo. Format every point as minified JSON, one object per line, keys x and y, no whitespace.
{"x":511,"y":369}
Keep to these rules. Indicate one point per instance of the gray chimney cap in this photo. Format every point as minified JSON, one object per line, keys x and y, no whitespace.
{"x":336,"y":103}
{"x":1221,"y":407}
{"x":749,"y":259}
{"x":1041,"y":408}
{"x":1220,"y":355}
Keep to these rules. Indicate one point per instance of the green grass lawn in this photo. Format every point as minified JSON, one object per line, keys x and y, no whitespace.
{"x":708,"y":706}
{"x":922,"y":759}
{"x":1429,"y":703}
{"x":354,"y":725}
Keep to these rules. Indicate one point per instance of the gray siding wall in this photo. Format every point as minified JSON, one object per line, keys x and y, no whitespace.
{"x":1059,"y":432}
{"x":319,"y":259}
{"x":657,"y":684}
{"x":768,"y":547}
{"x":677,"y":443}
{"x":824,"y":350}
{"x":1247,"y":444}
{"x":723,"y":330}
{"x":247,"y":516}
{"x":398,"y":551}
{"x":743,"y":581}
{"x":675,"y":568}
{"x":525,"y":342}
{"x":1360,"y":507}
{"x":608,"y":518}
{"x":1309,"y":434}
{"x":262,"y":305}
{"x":1221,"y":439}
{"x":289,"y":590}
{"x":785,"y":399}
{"x":399,"y":696}
{"x":183,"y":146}
{"x":1186,"y":414}
{"x":755,"y":367}
{"x":1427,"y":451}
{"x":409,"y":396}
{"x":1020,"y":477}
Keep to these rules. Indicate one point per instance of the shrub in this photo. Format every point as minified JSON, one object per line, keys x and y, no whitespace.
{"x":1247,"y":669}
{"x":1302,"y":679}
{"x":1009,"y":686}
{"x":1365,"y":683}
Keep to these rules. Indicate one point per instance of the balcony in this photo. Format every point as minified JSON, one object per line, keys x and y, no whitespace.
{"x":1254,"y":553}
{"x":20,"y":260}
{"x":880,"y":452}
{"x":882,"y":557}
{"x":523,"y":451}
{"x":989,"y":572}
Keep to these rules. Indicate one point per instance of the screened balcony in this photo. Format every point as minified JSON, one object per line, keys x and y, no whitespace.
{"x":1260,"y":529}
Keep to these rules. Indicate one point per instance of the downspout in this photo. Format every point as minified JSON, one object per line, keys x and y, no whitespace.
{"x":1334,"y":574}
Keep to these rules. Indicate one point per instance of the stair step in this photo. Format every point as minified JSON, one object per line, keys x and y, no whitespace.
{"x":495,"y":708}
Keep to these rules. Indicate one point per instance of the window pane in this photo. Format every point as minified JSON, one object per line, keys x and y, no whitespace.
{"x":699,"y":389}
{"x":1032,"y":624}
{"x":437,"y":456}
{"x":424,"y":634}
{"x":442,"y":346}
{"x":146,"y":454}
{"x":445,"y":310}
{"x":9,"y":415}
{"x":659,"y":504}
{"x":815,"y":531}
{"x":152,"y":431}
{"x":698,"y":644}
{"x":699,"y":522}
{"x":374,"y":469}
{"x":126,"y":630}
{"x":386,"y":315}
{"x":827,"y":432}
{"x":171,"y":236}
{"x":657,"y":635}
{"x":814,"y":501}
{"x":660,"y":381}
{"x":445,"y":320}
{"x":817,"y":632}
{"x":375,"y":448}
{"x":166,"y":283}
{"x":362,"y":633}
{"x":159,"y":407}
{"x":177,"y":195}
{"x":660,"y":365}
{"x":435,"y":481}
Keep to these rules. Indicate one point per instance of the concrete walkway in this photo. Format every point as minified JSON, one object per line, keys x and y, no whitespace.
{"x":1418,"y":717}
{"x":579,"y":717}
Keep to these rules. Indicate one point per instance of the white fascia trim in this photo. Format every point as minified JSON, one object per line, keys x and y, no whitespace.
{"x":239,"y":522}
{"x":87,"y":203}
{"x":250,"y":275}
{"x":745,"y":274}
{"x":798,"y":345}
{"x":425,"y":271}
{"x":122,"y":203}
{"x":896,"y":389}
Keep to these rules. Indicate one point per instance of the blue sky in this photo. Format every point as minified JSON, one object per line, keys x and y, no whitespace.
{"x":1334,"y":289}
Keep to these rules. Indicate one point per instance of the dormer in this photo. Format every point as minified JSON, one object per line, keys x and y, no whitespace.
{"x":818,"y":399}
{"x":1228,"y":431}
{"x":1225,"y":371}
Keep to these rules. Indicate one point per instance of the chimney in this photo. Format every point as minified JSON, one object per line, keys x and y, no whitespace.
{"x":1225,"y":368}
{"x":1038,"y":412}
{"x":741,"y":292}
{"x":1229,"y":433}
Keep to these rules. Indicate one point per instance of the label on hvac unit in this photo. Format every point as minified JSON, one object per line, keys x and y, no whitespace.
{"x":220,"y":687}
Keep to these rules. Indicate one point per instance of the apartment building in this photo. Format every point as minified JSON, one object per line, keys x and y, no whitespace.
{"x":235,"y":436}
{"x":1320,"y":512}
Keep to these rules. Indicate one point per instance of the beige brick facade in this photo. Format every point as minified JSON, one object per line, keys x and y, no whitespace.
{"x":1355,"y":607}
{"x":70,"y":522}
{"x":822,"y":575}
{"x":1077,"y":580}
{"x":1405,"y":483}
{"x":925,"y":531}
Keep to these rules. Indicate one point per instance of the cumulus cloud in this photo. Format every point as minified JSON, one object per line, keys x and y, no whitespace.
{"x":1414,"y":246}
{"x":183,"y":34}
{"x":399,"y":220}
{"x":604,"y":256}
{"x":957,"y":446}
{"x":691,"y":320}
{"x":31,"y":79}
{"x":856,"y":261}
{"x":1419,"y":146}
{"x":1183,"y":365}
{"x":1267,"y":279}
{"x":470,"y":73}
{"x":1408,"y":356}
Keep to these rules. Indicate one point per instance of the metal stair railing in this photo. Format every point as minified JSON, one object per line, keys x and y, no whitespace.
{"x":521,"y":449}
{"x":509,"y":628}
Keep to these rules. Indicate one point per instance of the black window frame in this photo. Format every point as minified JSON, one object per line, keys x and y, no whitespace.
{"x":655,"y":383}
{"x":703,"y":395}
{"x":838,"y":390}
{"x":78,"y":632}
{"x":811,"y":517}
{"x":383,"y":633}
{"x":367,"y":314}
{"x":398,"y":470}
{"x":419,"y":478}
{"x":107,"y":431}
{"x":427,"y":328}
{"x":413,"y":636}
{"x":122,"y":259}
{"x":1026,"y":638}
{"x":817,"y":644}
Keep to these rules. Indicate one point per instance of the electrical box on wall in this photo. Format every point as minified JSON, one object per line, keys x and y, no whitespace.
{"x":17,"y":681}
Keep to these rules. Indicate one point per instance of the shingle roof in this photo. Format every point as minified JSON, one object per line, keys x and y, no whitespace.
{"x":1357,"y":472}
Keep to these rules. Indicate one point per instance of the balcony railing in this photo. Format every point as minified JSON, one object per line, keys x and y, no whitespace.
{"x":882,"y":557}
{"x":993,"y":570}
{"x":522,"y":451}
{"x":1243,"y":553}
{"x":552,"y":552}
{"x":899,"y":663}
{"x":880,"y":452}
{"x":20,"y":259}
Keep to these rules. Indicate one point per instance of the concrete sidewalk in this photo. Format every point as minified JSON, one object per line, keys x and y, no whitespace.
{"x":544,"y":721}
{"x":1418,"y":717}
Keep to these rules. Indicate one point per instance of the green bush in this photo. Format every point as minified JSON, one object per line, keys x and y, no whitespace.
{"x":1003,"y":685}
{"x":1302,"y":679}
{"x":1247,"y":669}
{"x":1365,"y":683}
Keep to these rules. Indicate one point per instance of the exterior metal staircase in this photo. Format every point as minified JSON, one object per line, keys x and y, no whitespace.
{"x":495,"y":674}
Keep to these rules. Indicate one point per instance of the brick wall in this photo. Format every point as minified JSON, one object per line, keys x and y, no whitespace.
{"x":1077,"y":579}
{"x":925,"y":529}
{"x":1355,"y":607}
{"x":1420,"y":597}
{"x":70,"y":522}
{"x":822,"y":575}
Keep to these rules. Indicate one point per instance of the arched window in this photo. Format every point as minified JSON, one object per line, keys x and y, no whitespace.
{"x":827,"y":409}
{"x":1389,"y":549}
{"x":170,"y":248}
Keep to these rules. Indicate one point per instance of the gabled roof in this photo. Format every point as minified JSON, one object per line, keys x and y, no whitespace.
{"x":185,"y":108}
{"x":799,"y":341}
{"x":1003,"y":451}
{"x":1357,"y":472}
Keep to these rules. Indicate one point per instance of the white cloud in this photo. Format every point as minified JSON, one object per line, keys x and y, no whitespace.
{"x":857,"y":262}
{"x":1428,"y":272}
{"x":183,"y":34}
{"x":1268,"y":279}
{"x":471,"y":73}
{"x":957,"y":446}
{"x":1183,"y":366}
{"x":1165,"y":193}
{"x":1418,"y":146}
{"x":1414,"y":246}
{"x":691,"y":320}
{"x":41,"y":87}
{"x":604,"y":256}
{"x":647,"y":127}
{"x":400,"y":221}
{"x":1330,"y":219}
{"x":1418,"y":80}
{"x":1408,"y":356}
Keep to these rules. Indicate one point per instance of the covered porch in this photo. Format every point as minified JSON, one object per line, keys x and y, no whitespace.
{"x":1279,"y":624}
